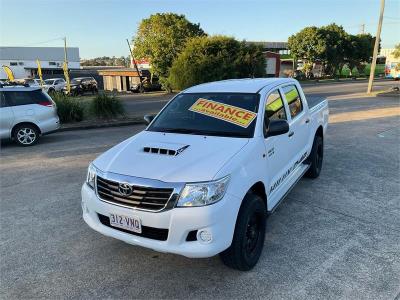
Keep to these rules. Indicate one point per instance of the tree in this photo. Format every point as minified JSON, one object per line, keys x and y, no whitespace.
{"x":251,"y":61}
{"x":396,"y":52}
{"x":307,"y":45}
{"x":358,"y":51}
{"x":214,"y":58}
{"x":160,"y":39}
{"x":335,"y":40}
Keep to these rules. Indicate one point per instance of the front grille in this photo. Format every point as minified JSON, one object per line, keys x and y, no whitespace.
{"x":147,"y":198}
{"x":153,"y":233}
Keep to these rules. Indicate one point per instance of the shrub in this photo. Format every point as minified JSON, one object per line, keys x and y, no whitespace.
{"x":68,"y":109}
{"x":213,"y":58}
{"x":105,"y":106}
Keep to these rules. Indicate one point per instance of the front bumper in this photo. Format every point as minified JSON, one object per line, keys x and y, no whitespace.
{"x":218,"y":219}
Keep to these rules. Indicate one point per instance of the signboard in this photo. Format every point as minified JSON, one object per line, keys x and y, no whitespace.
{"x":232,"y":114}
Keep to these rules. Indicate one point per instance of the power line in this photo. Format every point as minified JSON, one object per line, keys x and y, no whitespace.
{"x":43,"y":42}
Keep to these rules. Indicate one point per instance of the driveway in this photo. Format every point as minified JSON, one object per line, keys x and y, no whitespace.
{"x":336,"y":237}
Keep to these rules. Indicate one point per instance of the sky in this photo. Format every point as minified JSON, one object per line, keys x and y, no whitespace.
{"x":100,"y":27}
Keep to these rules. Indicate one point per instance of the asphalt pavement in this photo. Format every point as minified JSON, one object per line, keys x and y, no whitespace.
{"x":336,"y":237}
{"x":151,"y":103}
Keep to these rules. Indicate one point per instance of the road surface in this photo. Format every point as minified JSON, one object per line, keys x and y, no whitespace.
{"x":139,"y":105}
{"x":336,"y":237}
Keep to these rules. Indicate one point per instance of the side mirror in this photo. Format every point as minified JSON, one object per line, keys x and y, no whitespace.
{"x":277,"y":127}
{"x":148,"y":118}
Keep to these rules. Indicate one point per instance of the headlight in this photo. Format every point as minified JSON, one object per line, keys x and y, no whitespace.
{"x":91,"y":176}
{"x":205,"y":193}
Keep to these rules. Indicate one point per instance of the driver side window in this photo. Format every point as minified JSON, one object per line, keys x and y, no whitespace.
{"x":274,"y":107}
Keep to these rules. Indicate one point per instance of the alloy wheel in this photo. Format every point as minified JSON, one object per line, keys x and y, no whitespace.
{"x":26,"y":136}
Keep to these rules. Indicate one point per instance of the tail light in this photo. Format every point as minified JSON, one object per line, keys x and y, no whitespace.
{"x":46,"y":103}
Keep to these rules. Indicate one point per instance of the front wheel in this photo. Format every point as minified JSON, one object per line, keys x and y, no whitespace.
{"x":26,"y":135}
{"x":249,"y":235}
{"x":316,"y":157}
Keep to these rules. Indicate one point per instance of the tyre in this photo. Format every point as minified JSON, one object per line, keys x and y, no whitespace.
{"x":249,"y":235}
{"x":26,"y":135}
{"x":316,"y":157}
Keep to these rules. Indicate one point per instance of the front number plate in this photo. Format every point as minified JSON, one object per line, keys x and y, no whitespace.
{"x":124,"y":222}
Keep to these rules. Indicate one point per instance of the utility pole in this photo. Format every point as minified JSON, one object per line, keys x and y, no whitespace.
{"x":136,"y":67}
{"x":362,"y":28}
{"x":376,"y":48}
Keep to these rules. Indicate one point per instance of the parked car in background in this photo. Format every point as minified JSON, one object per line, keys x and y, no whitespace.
{"x":26,"y":113}
{"x":148,"y":84}
{"x":54,"y":85}
{"x":82,"y":85}
{"x":32,"y":82}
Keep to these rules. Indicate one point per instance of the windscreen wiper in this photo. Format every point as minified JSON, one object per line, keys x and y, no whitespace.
{"x":179,"y":130}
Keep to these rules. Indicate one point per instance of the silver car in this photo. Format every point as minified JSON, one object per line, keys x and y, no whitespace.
{"x":26,"y":113}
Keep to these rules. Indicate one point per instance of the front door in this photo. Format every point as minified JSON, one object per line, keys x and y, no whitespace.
{"x":278,"y":152}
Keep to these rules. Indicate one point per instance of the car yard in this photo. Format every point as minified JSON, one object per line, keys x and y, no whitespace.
{"x":334,"y":237}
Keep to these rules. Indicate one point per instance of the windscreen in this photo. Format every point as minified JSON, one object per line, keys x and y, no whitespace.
{"x":49,"y":81}
{"x":219,"y":114}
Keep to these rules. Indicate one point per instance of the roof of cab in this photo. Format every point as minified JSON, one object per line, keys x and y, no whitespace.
{"x":238,"y":85}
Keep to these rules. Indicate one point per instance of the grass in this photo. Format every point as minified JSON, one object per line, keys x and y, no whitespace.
{"x":68,"y":109}
{"x":106,"y":106}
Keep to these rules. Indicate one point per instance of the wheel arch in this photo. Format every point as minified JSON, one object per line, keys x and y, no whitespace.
{"x":22,"y":123}
{"x":259,"y":189}
{"x":320,"y":132}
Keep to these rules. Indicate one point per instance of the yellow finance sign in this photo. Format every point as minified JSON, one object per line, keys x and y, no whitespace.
{"x":232,"y":114}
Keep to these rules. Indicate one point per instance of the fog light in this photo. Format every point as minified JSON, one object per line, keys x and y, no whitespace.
{"x":205,"y":236}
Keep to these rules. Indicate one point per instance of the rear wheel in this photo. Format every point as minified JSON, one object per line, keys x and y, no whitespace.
{"x":248,"y":239}
{"x":316,"y":157}
{"x":26,"y":135}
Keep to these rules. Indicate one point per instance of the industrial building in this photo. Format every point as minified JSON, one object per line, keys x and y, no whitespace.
{"x":22,"y":61}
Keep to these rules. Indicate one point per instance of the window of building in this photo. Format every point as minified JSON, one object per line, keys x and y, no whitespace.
{"x":293,"y":99}
{"x":21,"y":63}
{"x":52,"y":63}
{"x":13,"y":63}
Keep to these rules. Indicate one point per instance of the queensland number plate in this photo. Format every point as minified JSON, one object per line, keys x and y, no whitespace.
{"x":124,"y":222}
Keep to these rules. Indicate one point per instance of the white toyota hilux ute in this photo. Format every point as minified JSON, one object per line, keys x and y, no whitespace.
{"x":202,"y":178}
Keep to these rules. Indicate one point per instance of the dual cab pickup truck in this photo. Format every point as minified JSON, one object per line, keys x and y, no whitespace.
{"x":202,"y":178}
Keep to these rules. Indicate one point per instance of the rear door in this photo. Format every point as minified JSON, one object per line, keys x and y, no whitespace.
{"x":6,"y":117}
{"x":299,"y":122}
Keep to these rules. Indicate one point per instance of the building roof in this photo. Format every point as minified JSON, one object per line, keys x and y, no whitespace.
{"x":119,"y":72}
{"x":237,"y":85}
{"x":41,"y":53}
{"x":270,"y":45}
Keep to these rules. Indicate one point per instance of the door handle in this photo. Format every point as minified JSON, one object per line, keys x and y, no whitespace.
{"x":307,"y":121}
{"x":291,"y":133}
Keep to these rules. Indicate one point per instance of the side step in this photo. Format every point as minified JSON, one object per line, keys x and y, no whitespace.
{"x":290,"y":189}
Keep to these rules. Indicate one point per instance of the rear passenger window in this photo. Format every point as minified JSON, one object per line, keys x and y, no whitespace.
{"x":18,"y":98}
{"x":274,"y":108}
{"x":293,"y":99}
